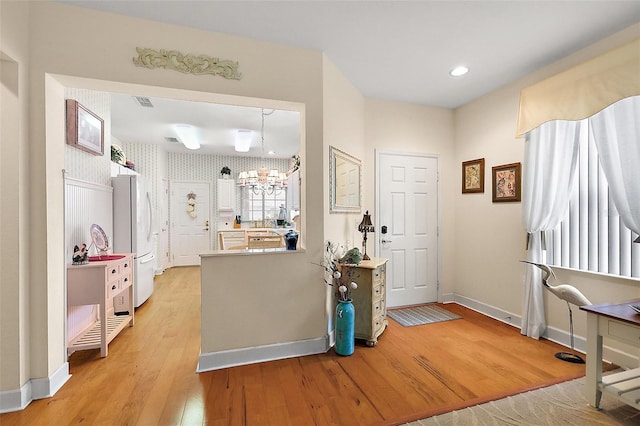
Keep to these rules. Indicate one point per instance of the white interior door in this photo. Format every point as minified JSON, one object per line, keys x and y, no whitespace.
{"x":190,"y":231}
{"x":408,"y":208}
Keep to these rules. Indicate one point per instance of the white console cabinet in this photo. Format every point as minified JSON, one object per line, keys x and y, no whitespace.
{"x":97,"y":283}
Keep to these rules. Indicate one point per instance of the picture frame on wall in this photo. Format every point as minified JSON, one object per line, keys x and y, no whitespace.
{"x":85,"y":130}
{"x":506,"y":182}
{"x":473,"y":176}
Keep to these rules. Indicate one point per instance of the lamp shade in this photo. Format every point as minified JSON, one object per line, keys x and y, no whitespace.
{"x":366,"y":224}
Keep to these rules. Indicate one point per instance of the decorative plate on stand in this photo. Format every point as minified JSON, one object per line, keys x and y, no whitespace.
{"x":99,"y":238}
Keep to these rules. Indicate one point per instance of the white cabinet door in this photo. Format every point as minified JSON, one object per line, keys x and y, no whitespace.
{"x":226,"y":194}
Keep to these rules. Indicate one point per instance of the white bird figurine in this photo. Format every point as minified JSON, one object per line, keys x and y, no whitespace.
{"x":565,"y":292}
{"x":569,"y":294}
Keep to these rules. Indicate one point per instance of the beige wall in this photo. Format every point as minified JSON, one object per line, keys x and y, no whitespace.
{"x":14,"y":195}
{"x":343,"y":127}
{"x":62,"y":59}
{"x":481,"y":241}
{"x":410,"y":128}
{"x":489,"y":242}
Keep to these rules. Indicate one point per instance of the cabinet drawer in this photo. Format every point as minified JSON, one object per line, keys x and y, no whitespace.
{"x":113,"y":273}
{"x":126,"y":281}
{"x":377,"y":309}
{"x":378,"y":275}
{"x":116,"y":286}
{"x":378,"y":323}
{"x":377,"y":292}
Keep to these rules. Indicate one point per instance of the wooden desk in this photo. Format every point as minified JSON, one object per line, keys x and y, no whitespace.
{"x":622,"y":323}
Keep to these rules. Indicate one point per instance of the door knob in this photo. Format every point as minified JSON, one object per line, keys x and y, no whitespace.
{"x":386,"y":241}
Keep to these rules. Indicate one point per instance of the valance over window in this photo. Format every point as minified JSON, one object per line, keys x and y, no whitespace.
{"x":583,"y":90}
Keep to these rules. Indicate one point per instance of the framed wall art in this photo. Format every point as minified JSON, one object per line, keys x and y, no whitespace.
{"x":85,"y":130}
{"x":473,"y":176}
{"x":506,"y":182}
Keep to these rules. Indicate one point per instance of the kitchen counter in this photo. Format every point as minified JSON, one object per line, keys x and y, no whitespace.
{"x":247,"y":251}
{"x":252,"y":238}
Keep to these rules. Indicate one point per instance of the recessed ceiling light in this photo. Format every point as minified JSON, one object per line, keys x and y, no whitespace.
{"x":271,"y":153}
{"x":187,"y":135}
{"x":459,"y":70}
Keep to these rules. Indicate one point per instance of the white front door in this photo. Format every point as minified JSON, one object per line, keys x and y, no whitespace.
{"x":190,"y":223}
{"x":408,"y":208}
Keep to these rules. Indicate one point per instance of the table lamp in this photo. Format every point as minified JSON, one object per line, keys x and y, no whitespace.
{"x":364,"y":227}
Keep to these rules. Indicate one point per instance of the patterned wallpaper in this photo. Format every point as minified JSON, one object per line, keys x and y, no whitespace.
{"x":150,"y":161}
{"x":83,"y":165}
{"x":207,"y":168}
{"x":153,"y":161}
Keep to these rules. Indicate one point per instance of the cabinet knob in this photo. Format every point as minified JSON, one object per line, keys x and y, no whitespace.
{"x":113,"y":271}
{"x":126,"y":280}
{"x":114,"y":287}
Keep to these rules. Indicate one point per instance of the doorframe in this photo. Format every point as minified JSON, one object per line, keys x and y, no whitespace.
{"x":165,"y":201}
{"x":377,"y":154}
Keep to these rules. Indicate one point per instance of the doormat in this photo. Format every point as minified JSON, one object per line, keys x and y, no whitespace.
{"x":418,"y":315}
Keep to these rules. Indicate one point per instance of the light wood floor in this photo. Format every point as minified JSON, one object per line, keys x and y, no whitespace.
{"x":149,"y":376}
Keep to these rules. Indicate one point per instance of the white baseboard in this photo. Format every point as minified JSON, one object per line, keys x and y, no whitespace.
{"x":232,"y":358}
{"x":553,"y":334}
{"x":18,"y":399}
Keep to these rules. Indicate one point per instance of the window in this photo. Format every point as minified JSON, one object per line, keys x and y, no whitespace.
{"x":592,"y":237}
{"x":262,"y":206}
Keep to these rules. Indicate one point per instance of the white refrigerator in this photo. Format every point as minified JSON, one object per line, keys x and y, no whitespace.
{"x":133,"y":230}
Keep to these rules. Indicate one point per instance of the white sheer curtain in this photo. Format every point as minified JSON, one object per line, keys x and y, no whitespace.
{"x":616,"y":133}
{"x":550,"y":158}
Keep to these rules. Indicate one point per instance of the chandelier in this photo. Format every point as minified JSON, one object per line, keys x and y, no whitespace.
{"x":263,"y":180}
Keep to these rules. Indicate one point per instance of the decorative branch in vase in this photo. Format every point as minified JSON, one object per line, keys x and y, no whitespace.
{"x":335,"y":274}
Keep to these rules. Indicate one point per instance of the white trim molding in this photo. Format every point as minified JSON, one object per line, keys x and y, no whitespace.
{"x":235,"y":357}
{"x":16,"y":400}
{"x":561,"y":337}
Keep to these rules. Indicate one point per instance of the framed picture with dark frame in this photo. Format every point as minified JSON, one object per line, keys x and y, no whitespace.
{"x":506,"y":182}
{"x":473,"y":176}
{"x":85,"y":130}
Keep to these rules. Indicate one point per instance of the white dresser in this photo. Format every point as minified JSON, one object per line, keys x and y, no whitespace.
{"x":97,"y":283}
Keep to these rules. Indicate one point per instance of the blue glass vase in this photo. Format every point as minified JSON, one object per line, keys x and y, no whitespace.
{"x":292,"y":239}
{"x":345,"y":327}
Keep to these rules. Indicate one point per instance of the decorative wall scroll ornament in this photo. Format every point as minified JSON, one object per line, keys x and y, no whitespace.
{"x":188,"y":64}
{"x":191,"y":205}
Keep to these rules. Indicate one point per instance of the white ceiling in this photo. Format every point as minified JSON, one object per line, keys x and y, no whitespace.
{"x":403,"y":50}
{"x":216,"y":125}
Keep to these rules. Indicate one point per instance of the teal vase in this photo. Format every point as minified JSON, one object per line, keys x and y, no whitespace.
{"x":345,"y":327}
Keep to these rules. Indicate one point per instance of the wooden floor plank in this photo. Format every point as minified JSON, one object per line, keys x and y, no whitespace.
{"x":149,"y":376}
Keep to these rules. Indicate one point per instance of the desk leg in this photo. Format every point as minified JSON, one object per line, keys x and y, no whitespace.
{"x":594,"y":361}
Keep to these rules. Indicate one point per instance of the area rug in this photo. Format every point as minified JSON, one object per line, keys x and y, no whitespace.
{"x":560,"y":404}
{"x":418,"y":315}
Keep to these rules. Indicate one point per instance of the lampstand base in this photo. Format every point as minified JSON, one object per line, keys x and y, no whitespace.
{"x":569,"y":357}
